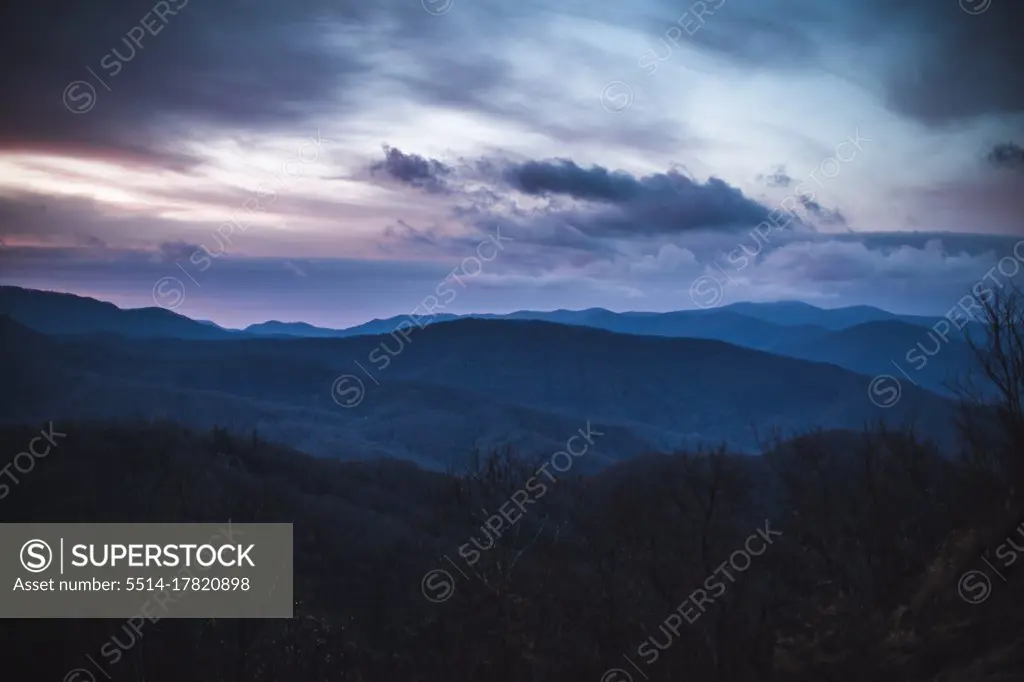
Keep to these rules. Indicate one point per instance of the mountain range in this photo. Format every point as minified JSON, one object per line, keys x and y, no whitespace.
{"x":432,"y":395}
{"x":862,"y":339}
{"x":389,"y":447}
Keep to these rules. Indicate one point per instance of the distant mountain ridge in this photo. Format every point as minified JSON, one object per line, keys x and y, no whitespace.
{"x":276,"y":328}
{"x":60,"y":313}
{"x":893,"y":347}
{"x":451,"y":387}
{"x":859,"y":338}
{"x":792,"y":313}
{"x":56,"y":313}
{"x":378,"y":326}
{"x":673,"y":323}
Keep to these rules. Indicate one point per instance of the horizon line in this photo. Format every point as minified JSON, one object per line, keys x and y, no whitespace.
{"x":464,"y":315}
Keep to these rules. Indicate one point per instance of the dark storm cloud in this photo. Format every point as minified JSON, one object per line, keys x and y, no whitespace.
{"x":243,"y":62}
{"x":946,"y":65}
{"x":658,"y":203}
{"x":413,"y":169}
{"x":623,"y":204}
{"x":578,"y":214}
{"x":1007,"y":155}
{"x":967,"y":65}
{"x":234,"y":64}
{"x":563,"y":176}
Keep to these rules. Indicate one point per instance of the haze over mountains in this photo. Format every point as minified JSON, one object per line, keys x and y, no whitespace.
{"x":647,"y":381}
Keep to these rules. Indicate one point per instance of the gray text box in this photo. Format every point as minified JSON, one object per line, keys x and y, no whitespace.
{"x":155,"y":570}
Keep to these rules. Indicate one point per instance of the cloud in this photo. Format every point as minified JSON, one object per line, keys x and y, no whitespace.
{"x":170,"y":252}
{"x":854,"y":264}
{"x":667,"y":202}
{"x":824,"y":215}
{"x":926,"y":277}
{"x":965,"y":66}
{"x":1007,"y":155}
{"x":985,"y":203}
{"x":562,"y":176}
{"x":404,"y":233}
{"x":541,"y":154}
{"x":414,"y":170}
{"x":235,"y":67}
{"x":922,"y":272}
{"x":777,"y":178}
{"x":568,"y":210}
{"x":239,"y":63}
{"x":953,"y":243}
{"x":229,"y":68}
{"x":931,"y":61}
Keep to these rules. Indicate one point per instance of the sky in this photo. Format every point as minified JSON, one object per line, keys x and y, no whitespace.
{"x":335,"y":161}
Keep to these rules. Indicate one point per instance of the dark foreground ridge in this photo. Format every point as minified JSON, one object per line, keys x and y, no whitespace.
{"x":835,"y":556}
